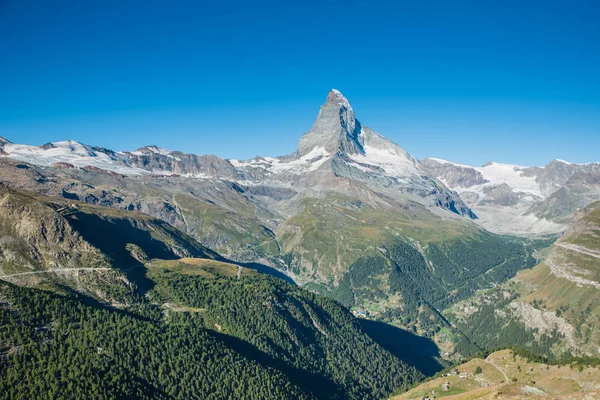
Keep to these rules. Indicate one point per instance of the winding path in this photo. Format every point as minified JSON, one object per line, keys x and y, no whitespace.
{"x":498,"y":368}
{"x":579,"y":249}
{"x":55,"y":270}
{"x":66,"y":270}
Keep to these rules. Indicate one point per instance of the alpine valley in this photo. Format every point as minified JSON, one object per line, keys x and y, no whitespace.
{"x":347,"y":269}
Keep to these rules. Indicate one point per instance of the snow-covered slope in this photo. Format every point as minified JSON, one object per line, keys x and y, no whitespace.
{"x":506,"y":196}
{"x":381,"y":153}
{"x":71,"y":153}
{"x":308,"y":162}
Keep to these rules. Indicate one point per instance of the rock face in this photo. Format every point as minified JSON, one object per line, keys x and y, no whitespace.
{"x":502,"y":195}
{"x":335,"y":129}
{"x":455,"y":175}
{"x":3,"y":142}
{"x":339,"y":146}
{"x":160,"y":161}
{"x":578,"y":191}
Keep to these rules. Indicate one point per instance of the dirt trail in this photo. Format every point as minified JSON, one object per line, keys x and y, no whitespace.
{"x":579,"y":249}
{"x":487,"y":360}
{"x":55,"y":270}
{"x":66,"y":270}
{"x":561,"y":271}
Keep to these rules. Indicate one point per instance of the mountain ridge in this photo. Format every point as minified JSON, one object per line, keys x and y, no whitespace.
{"x":337,"y":145}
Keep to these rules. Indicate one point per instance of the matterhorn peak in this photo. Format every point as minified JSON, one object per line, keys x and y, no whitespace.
{"x":335,"y":129}
{"x":335,"y":96}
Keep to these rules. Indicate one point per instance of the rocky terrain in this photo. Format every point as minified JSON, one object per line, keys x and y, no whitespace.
{"x":92,"y":249}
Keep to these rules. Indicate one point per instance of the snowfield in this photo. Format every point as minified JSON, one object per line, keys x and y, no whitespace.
{"x":71,"y":152}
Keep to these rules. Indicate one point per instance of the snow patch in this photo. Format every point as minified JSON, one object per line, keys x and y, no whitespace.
{"x":441,"y":161}
{"x":307,"y":163}
{"x":395,"y":163}
{"x":72,"y":152}
{"x":512,"y":175}
{"x":153,"y":150}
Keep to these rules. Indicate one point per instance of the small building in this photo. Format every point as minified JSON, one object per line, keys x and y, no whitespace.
{"x":446,"y":386}
{"x":361,"y":313}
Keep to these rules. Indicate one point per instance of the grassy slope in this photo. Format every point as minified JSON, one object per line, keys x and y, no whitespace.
{"x":233,"y":234}
{"x":525,"y":380}
{"x":331,"y":233}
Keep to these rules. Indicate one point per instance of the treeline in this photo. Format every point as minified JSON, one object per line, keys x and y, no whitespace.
{"x":530,"y":356}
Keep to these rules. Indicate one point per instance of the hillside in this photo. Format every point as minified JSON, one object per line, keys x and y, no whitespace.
{"x":346,"y":201}
{"x":507,"y":375}
{"x":554,"y":307}
{"x":210,"y":330}
{"x":223,"y":216}
{"x":92,"y":249}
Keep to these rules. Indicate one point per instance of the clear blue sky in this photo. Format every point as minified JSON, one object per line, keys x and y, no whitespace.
{"x":469,"y":81}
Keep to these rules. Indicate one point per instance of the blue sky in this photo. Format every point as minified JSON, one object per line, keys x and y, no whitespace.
{"x":469,"y":81}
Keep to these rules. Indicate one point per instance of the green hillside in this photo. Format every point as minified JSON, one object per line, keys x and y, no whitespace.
{"x":206,"y":333}
{"x":402,"y":268}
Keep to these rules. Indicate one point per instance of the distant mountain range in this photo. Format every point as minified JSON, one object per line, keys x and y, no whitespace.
{"x":339,"y":152}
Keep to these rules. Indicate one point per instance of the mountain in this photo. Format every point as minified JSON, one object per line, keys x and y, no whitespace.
{"x":521,"y":200}
{"x":553,"y":308}
{"x":513,"y":374}
{"x":349,"y":214}
{"x":336,"y":147}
